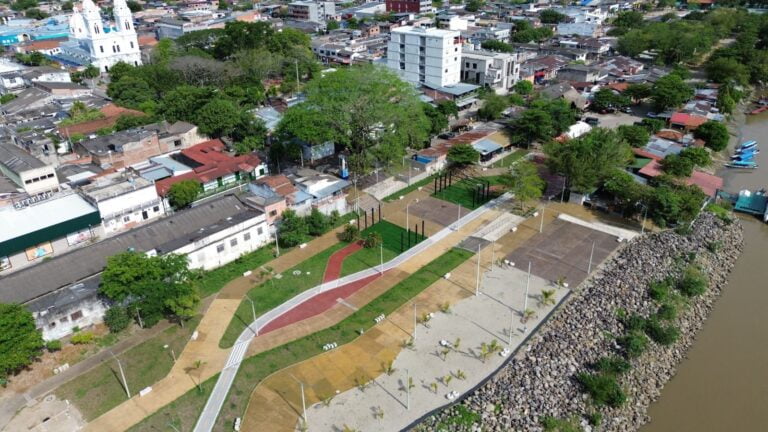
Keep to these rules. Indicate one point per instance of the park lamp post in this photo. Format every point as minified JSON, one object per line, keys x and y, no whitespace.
{"x":525,"y":300}
{"x":407,"y":215}
{"x":541,"y":225}
{"x":277,"y":245}
{"x":253,"y":311}
{"x":122,"y":375}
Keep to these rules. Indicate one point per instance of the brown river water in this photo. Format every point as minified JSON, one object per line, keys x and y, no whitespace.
{"x":723,"y":384}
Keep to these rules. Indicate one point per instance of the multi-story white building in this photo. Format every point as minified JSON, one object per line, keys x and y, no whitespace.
{"x":494,"y":70}
{"x":311,"y":11}
{"x":425,"y":56}
{"x":124,"y":201}
{"x":93,"y":41}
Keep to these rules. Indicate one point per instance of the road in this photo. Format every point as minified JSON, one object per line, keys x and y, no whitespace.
{"x":216,"y":400}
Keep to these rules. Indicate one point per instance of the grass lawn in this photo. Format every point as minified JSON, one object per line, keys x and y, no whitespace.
{"x":510,"y":158}
{"x":254,"y":369}
{"x":461,"y":192}
{"x":100,"y":389}
{"x":277,"y":290}
{"x":408,"y":189}
{"x":213,"y":281}
{"x":366,"y":258}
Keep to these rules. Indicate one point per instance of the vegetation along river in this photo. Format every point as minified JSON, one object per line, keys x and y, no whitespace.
{"x":723,"y":384}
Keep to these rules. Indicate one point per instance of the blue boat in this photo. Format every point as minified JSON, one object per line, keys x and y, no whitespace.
{"x":748,"y":158}
{"x":747,"y":145}
{"x":741,"y":165}
{"x":748,"y":151}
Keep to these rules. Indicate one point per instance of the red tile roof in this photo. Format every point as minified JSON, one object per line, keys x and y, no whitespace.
{"x":42,"y":45}
{"x":278,"y":183}
{"x":691,"y":121}
{"x":706,"y":182}
{"x":671,"y":135}
{"x":214,"y":163}
{"x":111,"y":112}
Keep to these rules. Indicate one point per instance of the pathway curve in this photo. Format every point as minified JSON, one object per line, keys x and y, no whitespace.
{"x":212,"y":407}
{"x":335,"y":262}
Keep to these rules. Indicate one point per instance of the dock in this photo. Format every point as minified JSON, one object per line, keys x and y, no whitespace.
{"x":746,"y":201}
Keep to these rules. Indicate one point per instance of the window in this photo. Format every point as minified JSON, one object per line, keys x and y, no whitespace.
{"x":76,"y":316}
{"x":220,"y":248}
{"x":259,"y":231}
{"x":101,"y":47}
{"x":177,"y":143}
{"x":131,"y":45}
{"x":246,"y":236}
{"x":273,"y":212}
{"x":126,"y":218}
{"x":233,"y":242}
{"x":52,"y":325}
{"x":156,"y":209}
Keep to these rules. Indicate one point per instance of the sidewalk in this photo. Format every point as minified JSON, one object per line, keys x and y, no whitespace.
{"x":206,"y":348}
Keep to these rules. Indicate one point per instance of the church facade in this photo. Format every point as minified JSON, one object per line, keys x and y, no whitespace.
{"x":94,"y":41}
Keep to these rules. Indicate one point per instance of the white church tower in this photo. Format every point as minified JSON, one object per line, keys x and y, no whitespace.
{"x":105,"y":45}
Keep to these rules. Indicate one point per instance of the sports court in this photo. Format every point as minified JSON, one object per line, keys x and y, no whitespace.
{"x":563,"y":250}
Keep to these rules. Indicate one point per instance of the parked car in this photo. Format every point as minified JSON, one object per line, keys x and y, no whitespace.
{"x":627,"y":110}
{"x":594,"y":121}
{"x":651,"y":115}
{"x":447,"y":135}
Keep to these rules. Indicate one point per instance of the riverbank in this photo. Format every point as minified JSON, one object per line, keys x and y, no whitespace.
{"x":541,"y":381}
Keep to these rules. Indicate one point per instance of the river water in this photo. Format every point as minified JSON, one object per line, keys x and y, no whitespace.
{"x":723,"y":384}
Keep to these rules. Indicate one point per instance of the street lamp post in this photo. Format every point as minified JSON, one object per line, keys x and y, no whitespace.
{"x":122,"y":375}
{"x":253,"y":310}
{"x":381,"y":254}
{"x":477,"y":282}
{"x":407,"y":390}
{"x":525,"y":301}
{"x":591,"y":254}
{"x":541,"y":225}
{"x":277,"y":244}
{"x":407,"y":214}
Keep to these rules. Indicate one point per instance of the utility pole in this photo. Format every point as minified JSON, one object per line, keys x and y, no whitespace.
{"x":511,"y":324}
{"x":303,"y":402}
{"x":253,"y":310}
{"x":477,"y":284}
{"x":277,"y":245}
{"x":122,"y":375}
{"x":381,"y":245}
{"x":414,"y":322}
{"x":589,"y":269}
{"x":527,"y":286}
{"x":173,"y":427}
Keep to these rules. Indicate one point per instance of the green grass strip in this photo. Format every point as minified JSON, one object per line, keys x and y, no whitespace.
{"x":254,"y":369}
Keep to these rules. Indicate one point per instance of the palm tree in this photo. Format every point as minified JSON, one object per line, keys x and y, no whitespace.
{"x":447,"y":379}
{"x":387,"y":368}
{"x":460,"y":374}
{"x":528,"y":314}
{"x":457,"y":344}
{"x":445,"y":353}
{"x":494,"y":346}
{"x":445,"y":307}
{"x":411,"y":385}
{"x":197,"y":365}
{"x":484,"y":351}
{"x":433,"y":387}
{"x":547,"y":297}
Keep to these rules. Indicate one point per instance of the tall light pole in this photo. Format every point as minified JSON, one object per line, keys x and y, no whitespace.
{"x":122,"y":375}
{"x":277,"y":244}
{"x":407,"y":214}
{"x":303,"y":402}
{"x":381,"y":254}
{"x":541,"y":225}
{"x":527,"y":287}
{"x":253,"y":310}
{"x":591,"y":254}
{"x":511,"y":324}
{"x":477,"y":282}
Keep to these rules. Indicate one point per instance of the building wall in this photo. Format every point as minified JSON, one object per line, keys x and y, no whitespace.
{"x":129,"y":209}
{"x":274,"y":211}
{"x":426,"y":57}
{"x":412,"y":6}
{"x":40,"y":180}
{"x":60,"y":324}
{"x":133,"y":153}
{"x":58,"y":246}
{"x":227,"y":245}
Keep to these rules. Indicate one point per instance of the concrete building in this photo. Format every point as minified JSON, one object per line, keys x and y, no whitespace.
{"x":426,"y":56}
{"x":311,"y":11}
{"x":124,"y":201}
{"x":411,"y":6}
{"x":581,"y":73}
{"x":26,"y":171}
{"x":499,"y":71}
{"x":38,"y":230}
{"x":62,"y":292}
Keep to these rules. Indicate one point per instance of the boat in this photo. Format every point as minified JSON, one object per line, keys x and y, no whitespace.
{"x":741,"y":165}
{"x":751,"y":150}
{"x":746,"y":146}
{"x":742,"y":157}
{"x":759,"y":110}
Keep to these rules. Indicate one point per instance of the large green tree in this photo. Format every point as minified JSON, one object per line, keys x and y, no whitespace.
{"x":151,"y":286}
{"x":463,"y":154}
{"x":606,"y":99}
{"x":493,"y":105}
{"x":20,"y":340}
{"x":670,"y":91}
{"x":183,"y":193}
{"x":714,"y":134}
{"x":524,"y":182}
{"x":636,"y":136}
{"x":367,"y":110}
{"x":586,"y":161}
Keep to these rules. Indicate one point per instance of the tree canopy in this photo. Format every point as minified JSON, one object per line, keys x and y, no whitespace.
{"x":493,"y":106}
{"x":183,"y":193}
{"x":524,"y":182}
{"x":20,"y":341}
{"x":366,"y":110}
{"x":463,"y":154}
{"x":670,"y":91}
{"x":606,"y":99}
{"x":636,"y":136}
{"x":151,"y":286}
{"x":714,"y":134}
{"x":551,"y":16}
{"x":586,"y":161}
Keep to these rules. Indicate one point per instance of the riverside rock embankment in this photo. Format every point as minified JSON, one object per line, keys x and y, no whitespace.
{"x":540,"y":380}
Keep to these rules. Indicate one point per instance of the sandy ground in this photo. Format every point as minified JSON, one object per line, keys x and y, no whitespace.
{"x":51,"y":414}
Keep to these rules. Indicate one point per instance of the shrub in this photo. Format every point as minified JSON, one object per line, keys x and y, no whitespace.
{"x":662,"y":335}
{"x":54,"y":345}
{"x":660,"y":290}
{"x":693,"y":282}
{"x":372,"y":240}
{"x":613,"y":365}
{"x":634,"y":323}
{"x":720,"y":211}
{"x":667,"y":312}
{"x":350,"y":234}
{"x":117,"y":319}
{"x":552,"y":424}
{"x":714,"y":246}
{"x":604,"y":389}
{"x":595,"y":419}
{"x":82,"y":338}
{"x":633,"y":343}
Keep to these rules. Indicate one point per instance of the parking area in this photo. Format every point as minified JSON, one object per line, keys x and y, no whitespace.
{"x":611,"y":121}
{"x":563,"y":250}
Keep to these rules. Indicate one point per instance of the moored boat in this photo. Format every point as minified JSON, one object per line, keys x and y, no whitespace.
{"x":741,"y":165}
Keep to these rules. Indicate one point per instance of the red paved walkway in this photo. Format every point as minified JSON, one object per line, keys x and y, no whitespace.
{"x":333,"y":268}
{"x":318,"y":304}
